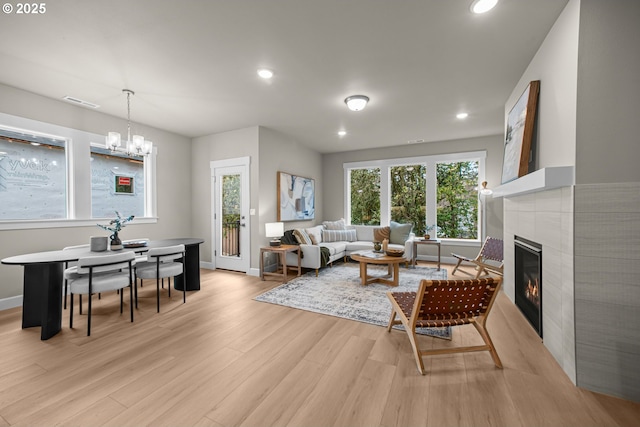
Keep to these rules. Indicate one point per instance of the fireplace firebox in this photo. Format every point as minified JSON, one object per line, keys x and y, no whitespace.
{"x":528,"y":281}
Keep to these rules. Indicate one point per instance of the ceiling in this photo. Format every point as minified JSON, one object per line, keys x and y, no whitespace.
{"x":192,"y":64}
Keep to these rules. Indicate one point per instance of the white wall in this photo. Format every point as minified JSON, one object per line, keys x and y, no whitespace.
{"x":173,"y":182}
{"x":556,"y":66}
{"x":608,"y":91}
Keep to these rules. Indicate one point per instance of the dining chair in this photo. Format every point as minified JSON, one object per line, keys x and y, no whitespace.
{"x":439,"y":303}
{"x":100,"y":274}
{"x":161,"y":263}
{"x":69,"y":273}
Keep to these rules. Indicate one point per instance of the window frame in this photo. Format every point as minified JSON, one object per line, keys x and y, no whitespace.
{"x":78,"y":169}
{"x":430,"y":162}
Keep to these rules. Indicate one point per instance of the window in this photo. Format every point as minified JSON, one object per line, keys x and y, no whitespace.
{"x":52,"y":175}
{"x":457,"y":200}
{"x":409,"y":196}
{"x":117,"y":184}
{"x":365,"y":196}
{"x":33,"y":176}
{"x":424,"y":191}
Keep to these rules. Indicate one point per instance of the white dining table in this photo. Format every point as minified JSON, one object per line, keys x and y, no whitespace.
{"x":43,"y":279}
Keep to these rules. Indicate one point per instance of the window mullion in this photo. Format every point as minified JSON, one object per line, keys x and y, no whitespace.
{"x":432,"y":191}
{"x":385,"y":195}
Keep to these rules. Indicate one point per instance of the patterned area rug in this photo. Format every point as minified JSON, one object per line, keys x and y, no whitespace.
{"x":337,"y":292}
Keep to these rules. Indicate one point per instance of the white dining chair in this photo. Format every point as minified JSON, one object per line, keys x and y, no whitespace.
{"x":70,"y":272}
{"x":100,"y":274}
{"x":161,"y":263}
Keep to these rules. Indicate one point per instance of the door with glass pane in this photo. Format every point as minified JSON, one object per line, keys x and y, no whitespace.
{"x":231,"y":220}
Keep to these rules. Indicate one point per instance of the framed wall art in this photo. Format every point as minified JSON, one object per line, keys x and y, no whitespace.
{"x":296,"y":198}
{"x":519,"y":134}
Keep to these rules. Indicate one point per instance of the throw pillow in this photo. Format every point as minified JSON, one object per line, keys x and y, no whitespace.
{"x":302,"y":237}
{"x":399,"y":233}
{"x":315,"y":234}
{"x":334,"y":225}
{"x":381,"y":233}
{"x":339,"y":235}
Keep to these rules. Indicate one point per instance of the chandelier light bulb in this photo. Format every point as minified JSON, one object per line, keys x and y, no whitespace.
{"x":356,"y":102}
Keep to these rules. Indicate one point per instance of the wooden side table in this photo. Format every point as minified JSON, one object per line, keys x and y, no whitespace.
{"x":424,"y":242}
{"x":282,"y":252}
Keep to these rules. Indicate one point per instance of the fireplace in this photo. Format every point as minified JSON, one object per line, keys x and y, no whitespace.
{"x":528,"y":281}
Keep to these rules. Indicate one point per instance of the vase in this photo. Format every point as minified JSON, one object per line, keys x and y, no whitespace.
{"x":116,"y":243}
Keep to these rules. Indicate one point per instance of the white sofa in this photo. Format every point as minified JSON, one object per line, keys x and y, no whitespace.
{"x":342,"y":249}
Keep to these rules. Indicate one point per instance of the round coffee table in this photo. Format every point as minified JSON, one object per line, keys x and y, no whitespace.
{"x":369,"y":257}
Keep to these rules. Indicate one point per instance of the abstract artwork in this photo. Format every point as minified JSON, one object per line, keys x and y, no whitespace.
{"x":519,"y":134}
{"x":296,"y":198}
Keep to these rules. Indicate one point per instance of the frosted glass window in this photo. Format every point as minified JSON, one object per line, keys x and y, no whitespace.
{"x":33,"y":177}
{"x":117,"y":184}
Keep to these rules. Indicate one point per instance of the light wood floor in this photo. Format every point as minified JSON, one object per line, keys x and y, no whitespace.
{"x":223,"y":359}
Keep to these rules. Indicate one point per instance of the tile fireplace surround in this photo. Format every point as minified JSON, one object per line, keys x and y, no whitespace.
{"x":590,"y":236}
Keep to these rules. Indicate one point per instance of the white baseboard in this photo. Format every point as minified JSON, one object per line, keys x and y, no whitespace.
{"x":434,"y":258}
{"x":11,"y":302}
{"x":207,"y":265}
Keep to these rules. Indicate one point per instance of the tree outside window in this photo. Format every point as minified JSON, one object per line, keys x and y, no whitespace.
{"x":409,"y":196}
{"x":457,"y":196}
{"x":365,"y":196}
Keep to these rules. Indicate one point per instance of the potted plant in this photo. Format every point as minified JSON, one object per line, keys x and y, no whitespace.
{"x":427,"y":231}
{"x":117,"y":224}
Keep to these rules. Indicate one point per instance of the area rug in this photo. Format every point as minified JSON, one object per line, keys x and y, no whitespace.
{"x":337,"y":292}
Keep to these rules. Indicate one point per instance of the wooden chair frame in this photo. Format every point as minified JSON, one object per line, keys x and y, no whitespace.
{"x":492,"y":250}
{"x":441,"y":303}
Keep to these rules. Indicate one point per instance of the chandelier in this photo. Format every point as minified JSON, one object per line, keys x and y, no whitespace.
{"x":135,"y":146}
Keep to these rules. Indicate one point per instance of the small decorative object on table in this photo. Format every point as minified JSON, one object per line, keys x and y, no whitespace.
{"x":377,"y":246}
{"x":116,"y":225}
{"x":427,"y":230}
{"x":394,"y":252}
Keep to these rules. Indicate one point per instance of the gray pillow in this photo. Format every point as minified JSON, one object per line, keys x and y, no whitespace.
{"x":399,"y":232}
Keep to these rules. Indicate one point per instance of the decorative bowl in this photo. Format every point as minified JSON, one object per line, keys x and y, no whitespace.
{"x":394,"y":252}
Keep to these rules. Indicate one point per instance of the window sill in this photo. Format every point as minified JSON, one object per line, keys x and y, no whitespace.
{"x":58,"y":223}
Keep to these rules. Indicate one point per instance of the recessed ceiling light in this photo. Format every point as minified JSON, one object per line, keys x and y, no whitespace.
{"x":462,"y":115}
{"x":265,"y":73}
{"x":342,"y":132}
{"x":482,"y":6}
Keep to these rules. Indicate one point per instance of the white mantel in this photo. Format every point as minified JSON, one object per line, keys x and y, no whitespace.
{"x":540,"y":180}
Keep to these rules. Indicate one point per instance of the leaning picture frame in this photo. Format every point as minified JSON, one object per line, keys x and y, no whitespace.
{"x":519,"y":134}
{"x":296,"y":197}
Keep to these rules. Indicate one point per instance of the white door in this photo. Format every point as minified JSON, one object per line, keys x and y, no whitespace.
{"x":231,"y":224}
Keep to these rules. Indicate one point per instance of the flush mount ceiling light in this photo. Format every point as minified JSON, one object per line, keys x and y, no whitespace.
{"x":342,"y":132}
{"x":462,"y":116}
{"x":135,"y":146}
{"x":356,"y":102}
{"x":265,"y":73}
{"x":482,"y":6}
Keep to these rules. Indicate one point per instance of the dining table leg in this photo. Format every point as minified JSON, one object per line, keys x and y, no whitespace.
{"x":42,"y":298}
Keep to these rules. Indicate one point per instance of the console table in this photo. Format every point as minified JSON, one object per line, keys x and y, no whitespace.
{"x":43,"y":280}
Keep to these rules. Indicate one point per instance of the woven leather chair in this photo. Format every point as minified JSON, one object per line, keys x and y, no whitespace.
{"x":441,"y":303}
{"x":489,"y":259}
